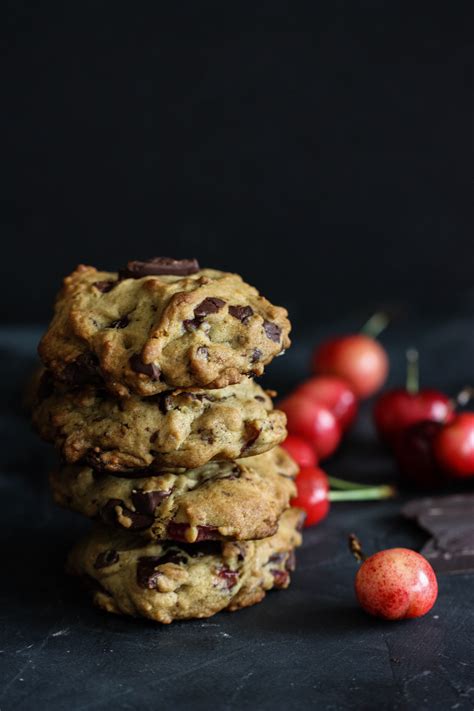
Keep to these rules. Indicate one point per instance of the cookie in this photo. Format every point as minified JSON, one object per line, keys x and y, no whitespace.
{"x":238,"y":500}
{"x":171,"y":581}
{"x":159,"y":325}
{"x":179,"y":428}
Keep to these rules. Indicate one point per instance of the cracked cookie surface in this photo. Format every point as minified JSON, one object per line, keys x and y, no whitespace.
{"x":169,"y":581}
{"x":238,"y":500}
{"x":150,"y":333}
{"x":180,"y":428}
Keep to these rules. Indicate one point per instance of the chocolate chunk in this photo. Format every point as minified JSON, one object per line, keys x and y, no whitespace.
{"x":449,"y":521}
{"x":105,"y":559}
{"x":192,"y":324}
{"x":147,"y":575}
{"x":203,"y":353}
{"x":228,"y":576}
{"x":277,"y":557}
{"x":209,"y":306}
{"x":109,"y":515}
{"x":84,"y":369}
{"x":243,"y":313}
{"x":104,"y":286}
{"x":177,"y":532}
{"x":150,"y":369}
{"x":252,"y":432}
{"x":120,"y":322}
{"x":145,"y":502}
{"x":256,"y":355}
{"x":272,"y":331}
{"x":281,"y":577}
{"x":159,"y":266}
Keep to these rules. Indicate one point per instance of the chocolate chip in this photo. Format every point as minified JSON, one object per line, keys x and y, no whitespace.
{"x":145,"y":502}
{"x":281,"y":577}
{"x":150,"y":369}
{"x":209,"y":306}
{"x":84,"y":369}
{"x":228,"y":576}
{"x":177,"y":532}
{"x":105,"y":559}
{"x":203,"y":353}
{"x":256,"y":355}
{"x":192,"y":324}
{"x":138,"y":521}
{"x":159,"y":266}
{"x":120,"y":322}
{"x":272,"y":331}
{"x":252,"y":433}
{"x":243,"y":313}
{"x":147,"y":575}
{"x":104,"y":286}
{"x":277,"y":557}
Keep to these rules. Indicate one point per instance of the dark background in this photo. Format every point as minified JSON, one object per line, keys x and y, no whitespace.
{"x":323,"y":150}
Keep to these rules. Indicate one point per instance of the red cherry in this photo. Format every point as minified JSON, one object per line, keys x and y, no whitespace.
{"x":396,"y":584}
{"x":313,"y":422}
{"x":454,"y":446}
{"x":300,"y":450}
{"x":335,"y":394}
{"x":358,"y":359}
{"x":398,"y":409}
{"x":413,"y":450}
{"x":313,"y":494}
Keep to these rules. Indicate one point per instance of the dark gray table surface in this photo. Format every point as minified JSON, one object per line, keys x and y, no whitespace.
{"x":307,"y":646}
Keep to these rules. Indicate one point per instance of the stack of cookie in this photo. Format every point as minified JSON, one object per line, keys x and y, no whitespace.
{"x":166,"y":441}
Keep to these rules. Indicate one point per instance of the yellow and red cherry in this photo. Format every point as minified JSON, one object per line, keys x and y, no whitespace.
{"x":454,"y":446}
{"x":300,"y":450}
{"x":312,"y":421}
{"x":395,"y":584}
{"x":359,"y":359}
{"x":397,"y":409}
{"x":333,"y":392}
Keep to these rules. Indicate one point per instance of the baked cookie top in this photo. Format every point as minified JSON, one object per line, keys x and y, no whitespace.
{"x":179,"y":428}
{"x":169,"y":581}
{"x":238,"y":500}
{"x":159,"y":325}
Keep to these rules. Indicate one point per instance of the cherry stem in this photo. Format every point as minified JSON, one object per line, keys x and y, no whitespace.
{"x":371,"y":493}
{"x":342,"y":484}
{"x":376,"y":324}
{"x":356,"y":548}
{"x":413,"y":371}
